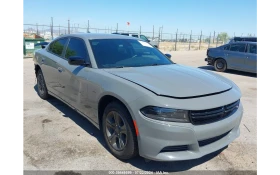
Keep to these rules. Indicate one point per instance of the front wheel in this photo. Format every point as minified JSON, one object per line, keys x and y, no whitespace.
{"x":220,"y":65}
{"x":119,"y":131}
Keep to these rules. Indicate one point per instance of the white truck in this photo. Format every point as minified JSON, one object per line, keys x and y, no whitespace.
{"x":143,"y":37}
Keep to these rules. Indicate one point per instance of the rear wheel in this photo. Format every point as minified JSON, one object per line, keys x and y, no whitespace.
{"x":119,"y":131}
{"x":42,"y":88}
{"x":220,"y":65}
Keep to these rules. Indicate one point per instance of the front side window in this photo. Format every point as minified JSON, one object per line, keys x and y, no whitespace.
{"x":227,"y":47}
{"x":252,"y":48}
{"x":76,"y":47}
{"x":57,"y":46}
{"x":238,"y":47}
{"x":117,"y":53}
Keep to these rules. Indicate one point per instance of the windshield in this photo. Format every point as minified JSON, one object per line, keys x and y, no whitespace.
{"x":118,"y":53}
{"x":229,"y":41}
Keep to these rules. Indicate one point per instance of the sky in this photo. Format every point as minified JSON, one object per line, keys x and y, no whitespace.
{"x":237,"y":17}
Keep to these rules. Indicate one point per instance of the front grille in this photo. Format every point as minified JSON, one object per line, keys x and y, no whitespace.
{"x":200,"y":117}
{"x":212,"y":140}
{"x":175,"y":148}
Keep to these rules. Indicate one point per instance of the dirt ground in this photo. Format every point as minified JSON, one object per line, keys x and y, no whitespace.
{"x":58,"y":138}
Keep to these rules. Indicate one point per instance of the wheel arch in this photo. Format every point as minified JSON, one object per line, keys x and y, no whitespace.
{"x":105,"y":100}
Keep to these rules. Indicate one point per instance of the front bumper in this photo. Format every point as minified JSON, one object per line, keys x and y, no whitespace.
{"x":209,"y":60}
{"x":155,"y":135}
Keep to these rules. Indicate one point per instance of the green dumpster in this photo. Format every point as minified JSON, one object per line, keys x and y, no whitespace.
{"x":29,"y":45}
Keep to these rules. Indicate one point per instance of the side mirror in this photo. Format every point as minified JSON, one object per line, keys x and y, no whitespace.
{"x":76,"y":60}
{"x":148,"y":40}
{"x":168,"y":55}
{"x":43,"y":46}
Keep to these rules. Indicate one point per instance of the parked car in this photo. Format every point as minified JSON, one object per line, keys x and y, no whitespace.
{"x":238,"y":39}
{"x":142,"y":102}
{"x":240,"y":56}
{"x":42,"y":44}
{"x":154,"y":43}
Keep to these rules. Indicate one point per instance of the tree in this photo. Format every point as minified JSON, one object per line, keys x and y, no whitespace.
{"x":223,"y":36}
{"x":207,"y":40}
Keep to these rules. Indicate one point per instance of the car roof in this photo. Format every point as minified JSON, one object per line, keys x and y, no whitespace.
{"x":245,"y":37}
{"x":87,"y":36}
{"x":248,"y":42}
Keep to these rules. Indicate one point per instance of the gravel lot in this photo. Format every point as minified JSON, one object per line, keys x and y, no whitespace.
{"x":58,"y":138}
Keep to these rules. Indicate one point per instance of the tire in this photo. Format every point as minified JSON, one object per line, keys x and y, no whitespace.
{"x":220,"y":65}
{"x":119,"y":132}
{"x":42,"y":88}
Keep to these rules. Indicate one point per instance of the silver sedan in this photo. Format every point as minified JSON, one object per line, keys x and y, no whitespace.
{"x":142,"y":102}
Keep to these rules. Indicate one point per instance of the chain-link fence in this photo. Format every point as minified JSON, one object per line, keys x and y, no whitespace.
{"x":167,"y":41}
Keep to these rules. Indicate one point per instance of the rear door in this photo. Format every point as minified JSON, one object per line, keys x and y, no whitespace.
{"x":251,"y":58}
{"x":235,"y":56}
{"x":49,"y":64}
{"x":73,"y":77}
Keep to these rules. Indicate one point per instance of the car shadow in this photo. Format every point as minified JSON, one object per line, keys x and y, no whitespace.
{"x":211,"y":68}
{"x":138,"y":161}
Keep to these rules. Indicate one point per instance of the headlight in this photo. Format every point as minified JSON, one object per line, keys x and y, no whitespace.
{"x":166,"y":114}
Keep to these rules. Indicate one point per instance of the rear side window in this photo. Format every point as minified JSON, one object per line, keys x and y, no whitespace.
{"x":57,"y":46}
{"x":136,"y":36}
{"x":76,"y":47}
{"x":252,"y":48}
{"x":250,"y":39}
{"x":238,"y":47}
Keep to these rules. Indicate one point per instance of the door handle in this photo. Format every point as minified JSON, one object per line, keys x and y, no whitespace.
{"x":59,"y":69}
{"x":42,"y":61}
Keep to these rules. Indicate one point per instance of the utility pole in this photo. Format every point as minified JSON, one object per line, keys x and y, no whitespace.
{"x":37,"y":29}
{"x":59,"y":30}
{"x":190,"y":40}
{"x":88,"y":26}
{"x":200,"y":40}
{"x":161,"y":32}
{"x":52,"y":28}
{"x":159,"y":35}
{"x":176,"y":40}
{"x":117,"y":28}
{"x":209,"y":40}
{"x":68,"y":26}
{"x":153,"y":31}
{"x":140,"y":30}
{"x":217,"y":40}
{"x":214,"y":37}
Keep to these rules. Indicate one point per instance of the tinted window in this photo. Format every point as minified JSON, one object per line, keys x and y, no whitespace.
{"x":250,"y":39}
{"x":112,"y":53}
{"x":238,"y":47}
{"x":227,"y":47}
{"x":57,"y":46}
{"x":136,"y":36}
{"x":143,"y":38}
{"x":76,"y":47}
{"x":252,"y":48}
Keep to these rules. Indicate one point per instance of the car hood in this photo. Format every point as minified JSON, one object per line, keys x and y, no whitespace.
{"x":174,"y":80}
